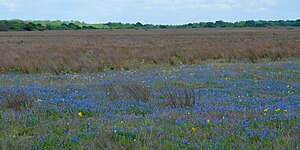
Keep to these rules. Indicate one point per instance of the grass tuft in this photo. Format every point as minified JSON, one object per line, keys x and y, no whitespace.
{"x":137,"y":92}
{"x":111,"y":92}
{"x":17,"y":100}
{"x":181,"y":97}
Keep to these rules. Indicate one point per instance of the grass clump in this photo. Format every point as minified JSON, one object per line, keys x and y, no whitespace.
{"x":16,"y":100}
{"x":137,"y":92}
{"x":181,"y":97}
{"x":111,"y":91}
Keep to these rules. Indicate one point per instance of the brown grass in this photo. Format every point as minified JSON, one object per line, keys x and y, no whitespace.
{"x":95,"y":50}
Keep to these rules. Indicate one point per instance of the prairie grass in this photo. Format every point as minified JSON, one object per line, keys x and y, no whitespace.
{"x":111,"y":91}
{"x":181,"y":97}
{"x":16,"y":100}
{"x":137,"y":92}
{"x":98,"y":50}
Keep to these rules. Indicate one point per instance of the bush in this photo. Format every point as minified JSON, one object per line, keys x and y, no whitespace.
{"x":110,"y":91}
{"x":137,"y":92}
{"x":181,"y":97}
{"x":17,"y":100}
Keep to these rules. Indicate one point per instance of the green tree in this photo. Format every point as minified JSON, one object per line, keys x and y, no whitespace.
{"x":73,"y":26}
{"x":4,"y":25}
{"x":138,"y":25}
{"x":250,"y":23}
{"x":29,"y":26}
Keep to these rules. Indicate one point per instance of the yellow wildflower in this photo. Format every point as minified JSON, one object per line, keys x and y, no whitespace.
{"x":188,"y":113}
{"x":194,"y":129}
{"x":265,"y":110}
{"x":223,"y":117}
{"x":286,"y":111}
{"x":80,"y":114}
{"x":208,"y":121}
{"x":277,"y":110}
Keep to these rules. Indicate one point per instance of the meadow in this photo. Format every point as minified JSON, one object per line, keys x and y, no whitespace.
{"x":150,"y":89}
{"x":98,"y":50}
{"x":212,"y":105}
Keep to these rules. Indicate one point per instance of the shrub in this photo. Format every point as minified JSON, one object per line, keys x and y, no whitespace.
{"x":137,"y":92}
{"x":181,"y":97}
{"x":110,"y":91}
{"x":17,"y":100}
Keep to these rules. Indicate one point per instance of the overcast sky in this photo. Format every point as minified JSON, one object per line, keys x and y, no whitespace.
{"x":150,"y":11}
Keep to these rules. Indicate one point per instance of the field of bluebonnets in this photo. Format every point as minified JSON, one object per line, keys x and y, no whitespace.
{"x":211,"y":105}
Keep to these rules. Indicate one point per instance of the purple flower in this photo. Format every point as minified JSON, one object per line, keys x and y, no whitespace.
{"x":179,"y":121}
{"x":185,"y":141}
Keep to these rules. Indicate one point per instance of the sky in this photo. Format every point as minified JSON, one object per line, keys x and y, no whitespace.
{"x":150,"y":11}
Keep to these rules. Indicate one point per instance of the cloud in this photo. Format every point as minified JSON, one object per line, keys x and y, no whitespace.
{"x":268,"y":2}
{"x":8,"y":4}
{"x":190,"y":4}
{"x":256,"y":6}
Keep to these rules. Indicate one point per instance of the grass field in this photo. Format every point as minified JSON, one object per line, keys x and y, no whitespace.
{"x":98,"y":50}
{"x":213,"y":105}
{"x":150,"y":89}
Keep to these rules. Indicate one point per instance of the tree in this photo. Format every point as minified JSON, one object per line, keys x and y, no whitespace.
{"x":138,"y":25}
{"x":250,"y":23}
{"x":4,"y":25}
{"x":163,"y":26}
{"x":29,"y":26}
{"x":40,"y":27}
{"x":210,"y":25}
{"x":73,"y":26}
{"x":220,"y":23}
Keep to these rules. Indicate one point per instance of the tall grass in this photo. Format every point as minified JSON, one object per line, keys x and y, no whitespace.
{"x":17,"y":100}
{"x":111,"y":91}
{"x":137,"y":92}
{"x":79,"y":51}
{"x":181,"y":97}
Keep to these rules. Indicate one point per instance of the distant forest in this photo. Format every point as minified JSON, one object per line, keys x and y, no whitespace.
{"x":21,"y":25}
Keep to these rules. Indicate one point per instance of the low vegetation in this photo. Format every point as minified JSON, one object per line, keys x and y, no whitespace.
{"x":213,"y":105}
{"x":16,"y":99}
{"x":95,"y":51}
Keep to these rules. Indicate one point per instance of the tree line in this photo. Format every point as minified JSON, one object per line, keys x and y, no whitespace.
{"x":21,"y":25}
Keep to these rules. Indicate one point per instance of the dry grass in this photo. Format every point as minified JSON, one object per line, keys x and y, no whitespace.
{"x":76,"y":51}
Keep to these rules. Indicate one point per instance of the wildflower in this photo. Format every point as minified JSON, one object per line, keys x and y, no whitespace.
{"x":194,"y":129}
{"x":188,"y":113}
{"x":80,"y":114}
{"x":115,"y":131}
{"x":208,"y":121}
{"x":185,"y":141}
{"x":179,"y":121}
{"x":286,"y":111}
{"x":122,"y":122}
{"x":223,"y":117}
{"x":277,"y":110}
{"x":265,"y":110}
